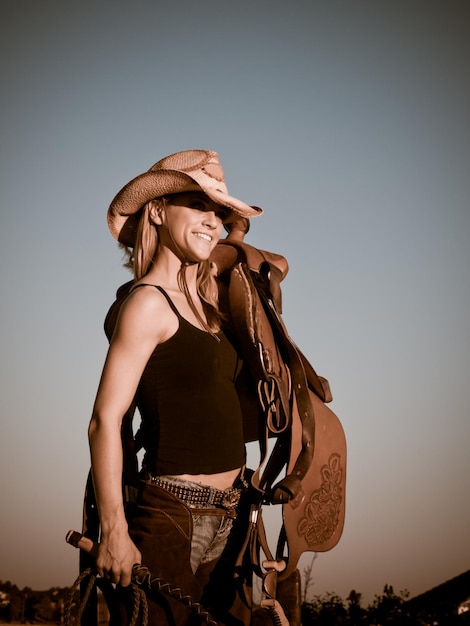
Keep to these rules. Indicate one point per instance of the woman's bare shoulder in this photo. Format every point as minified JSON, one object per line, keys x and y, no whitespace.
{"x":146,"y":312}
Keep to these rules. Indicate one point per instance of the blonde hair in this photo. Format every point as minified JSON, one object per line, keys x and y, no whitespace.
{"x":140,"y":258}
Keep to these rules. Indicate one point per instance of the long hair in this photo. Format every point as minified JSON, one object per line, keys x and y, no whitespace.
{"x":141,"y":257}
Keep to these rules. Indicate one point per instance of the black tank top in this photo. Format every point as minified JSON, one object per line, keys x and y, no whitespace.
{"x":191,"y":417}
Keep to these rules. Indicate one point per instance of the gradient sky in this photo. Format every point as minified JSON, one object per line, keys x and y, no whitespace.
{"x":349,"y":122}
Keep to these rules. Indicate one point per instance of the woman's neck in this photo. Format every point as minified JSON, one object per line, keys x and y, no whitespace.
{"x":165,"y":271}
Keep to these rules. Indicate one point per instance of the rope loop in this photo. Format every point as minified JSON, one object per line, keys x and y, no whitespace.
{"x":139,"y":609}
{"x":69,"y":620}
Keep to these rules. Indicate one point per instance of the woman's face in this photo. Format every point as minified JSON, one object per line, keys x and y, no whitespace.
{"x":194,"y":223}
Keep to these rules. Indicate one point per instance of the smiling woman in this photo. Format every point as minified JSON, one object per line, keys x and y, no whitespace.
{"x":170,"y":356}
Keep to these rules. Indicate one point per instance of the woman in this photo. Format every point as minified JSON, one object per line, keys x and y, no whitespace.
{"x":168,"y":351}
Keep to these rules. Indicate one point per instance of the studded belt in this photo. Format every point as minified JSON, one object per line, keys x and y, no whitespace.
{"x":199,"y":496}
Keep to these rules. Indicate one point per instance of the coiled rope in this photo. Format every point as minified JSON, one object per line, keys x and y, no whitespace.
{"x":142,"y":581}
{"x":140,"y":607}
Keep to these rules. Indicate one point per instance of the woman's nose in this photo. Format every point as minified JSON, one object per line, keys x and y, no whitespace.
{"x":210,"y":219}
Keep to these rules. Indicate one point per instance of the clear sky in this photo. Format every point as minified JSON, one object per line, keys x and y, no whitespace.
{"x":349,"y":122}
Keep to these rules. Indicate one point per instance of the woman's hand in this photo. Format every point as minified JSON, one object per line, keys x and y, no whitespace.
{"x":117,"y":554}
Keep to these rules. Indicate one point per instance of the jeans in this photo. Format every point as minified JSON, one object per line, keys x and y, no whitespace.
{"x":210,"y":535}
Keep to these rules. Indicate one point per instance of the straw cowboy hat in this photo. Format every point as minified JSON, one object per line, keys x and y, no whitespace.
{"x":190,"y":170}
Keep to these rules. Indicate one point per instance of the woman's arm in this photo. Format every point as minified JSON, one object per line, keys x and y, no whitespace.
{"x":134,"y":339}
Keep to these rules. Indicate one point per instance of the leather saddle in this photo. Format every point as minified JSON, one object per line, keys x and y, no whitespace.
{"x":283,"y":398}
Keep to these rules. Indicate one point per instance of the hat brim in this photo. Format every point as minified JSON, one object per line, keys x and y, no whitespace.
{"x":124,"y":210}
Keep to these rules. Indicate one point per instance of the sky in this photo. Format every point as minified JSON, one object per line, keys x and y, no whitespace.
{"x":348,"y":121}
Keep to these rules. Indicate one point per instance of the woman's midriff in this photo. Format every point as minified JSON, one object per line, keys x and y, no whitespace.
{"x":224,"y":480}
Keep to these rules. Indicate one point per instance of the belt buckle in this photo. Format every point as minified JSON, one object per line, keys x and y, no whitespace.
{"x":230,"y":500}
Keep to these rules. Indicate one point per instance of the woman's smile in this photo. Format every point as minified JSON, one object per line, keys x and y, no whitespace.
{"x":204,"y":236}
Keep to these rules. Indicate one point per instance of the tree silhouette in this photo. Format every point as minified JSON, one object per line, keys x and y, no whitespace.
{"x":356,"y":614}
{"x":389,"y":609}
{"x":327,"y":610}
